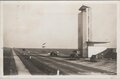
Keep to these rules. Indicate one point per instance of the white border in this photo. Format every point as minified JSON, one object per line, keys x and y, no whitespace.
{"x":74,"y":76}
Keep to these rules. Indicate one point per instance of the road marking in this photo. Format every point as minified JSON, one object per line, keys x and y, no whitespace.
{"x":58,"y":72}
{"x":20,"y":66}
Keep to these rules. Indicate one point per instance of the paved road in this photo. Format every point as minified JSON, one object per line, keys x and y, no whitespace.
{"x":67,"y":67}
{"x":22,"y":70}
{"x":50,"y":65}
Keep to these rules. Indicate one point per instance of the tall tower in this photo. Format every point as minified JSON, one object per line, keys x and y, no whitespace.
{"x":85,"y":31}
{"x":83,"y":35}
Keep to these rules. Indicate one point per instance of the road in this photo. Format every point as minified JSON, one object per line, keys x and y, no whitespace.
{"x":38,"y":64}
{"x":50,"y":65}
{"x":22,"y":70}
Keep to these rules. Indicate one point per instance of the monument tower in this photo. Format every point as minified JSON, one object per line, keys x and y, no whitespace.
{"x":85,"y":30}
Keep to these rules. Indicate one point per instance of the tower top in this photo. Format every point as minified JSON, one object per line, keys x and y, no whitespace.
{"x":83,"y":8}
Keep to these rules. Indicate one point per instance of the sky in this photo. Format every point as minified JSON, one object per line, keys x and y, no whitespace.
{"x":30,"y":24}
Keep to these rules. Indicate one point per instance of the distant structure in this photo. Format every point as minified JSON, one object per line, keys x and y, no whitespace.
{"x":43,"y":45}
{"x":85,"y":30}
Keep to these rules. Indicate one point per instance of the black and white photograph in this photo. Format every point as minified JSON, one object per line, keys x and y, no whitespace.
{"x":59,"y":38}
